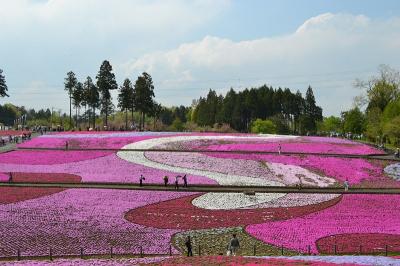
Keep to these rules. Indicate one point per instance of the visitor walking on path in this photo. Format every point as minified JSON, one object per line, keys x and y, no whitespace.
{"x":397,"y":153}
{"x":234,"y":245}
{"x":141,"y":180}
{"x":66,"y":145}
{"x":177,"y":182}
{"x":10,"y":177}
{"x":188,"y":244}
{"x":279,"y":149}
{"x":165,"y":180}
{"x":185,"y":184}
{"x":346,"y":185}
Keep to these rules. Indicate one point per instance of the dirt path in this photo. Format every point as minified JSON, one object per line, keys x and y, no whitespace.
{"x":207,"y":188}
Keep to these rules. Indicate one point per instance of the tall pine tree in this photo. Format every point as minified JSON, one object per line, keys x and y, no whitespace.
{"x":144,"y":94}
{"x":77,"y":96}
{"x":125,"y":97}
{"x":70,"y":83}
{"x":106,"y":83}
{"x":3,"y":85}
{"x":312,"y":113}
{"x":92,"y":98}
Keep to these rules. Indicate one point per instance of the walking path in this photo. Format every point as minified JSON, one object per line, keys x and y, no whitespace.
{"x":250,"y":190}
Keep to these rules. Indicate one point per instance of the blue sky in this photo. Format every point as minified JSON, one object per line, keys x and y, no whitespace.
{"x":191,"y":46}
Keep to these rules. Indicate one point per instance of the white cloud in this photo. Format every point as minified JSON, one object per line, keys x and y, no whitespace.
{"x":342,"y":46}
{"x":43,"y":40}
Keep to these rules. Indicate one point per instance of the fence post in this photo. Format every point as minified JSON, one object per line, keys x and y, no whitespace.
{"x":309,"y":250}
{"x":335,"y":249}
{"x":282,"y":250}
{"x":111,"y":252}
{"x":81,"y":253}
{"x":170,"y":250}
{"x":141,"y":251}
{"x":18,"y":254}
{"x":199,"y":250}
{"x":360,"y":249}
{"x":51,"y":254}
{"x":386,"y":250}
{"x":254,"y":249}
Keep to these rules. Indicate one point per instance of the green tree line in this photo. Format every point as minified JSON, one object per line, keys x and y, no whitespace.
{"x":376,"y":111}
{"x":284,"y":111}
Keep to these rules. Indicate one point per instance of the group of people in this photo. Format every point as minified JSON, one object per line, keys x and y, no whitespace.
{"x":166,"y":180}
{"x":232,"y":248}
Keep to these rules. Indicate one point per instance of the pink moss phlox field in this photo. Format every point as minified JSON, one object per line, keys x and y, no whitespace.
{"x":353,"y":214}
{"x":4,"y":177}
{"x":355,"y":170}
{"x":81,"y":218}
{"x":305,"y":146}
{"x":81,"y":143}
{"x":90,"y":262}
{"x":108,"y":168}
{"x":48,"y":157}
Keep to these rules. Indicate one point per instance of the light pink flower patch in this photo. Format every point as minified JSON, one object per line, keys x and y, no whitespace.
{"x":355,"y":170}
{"x":4,"y":177}
{"x":301,"y":147}
{"x":108,"y":168}
{"x":48,"y":157}
{"x":82,"y":218}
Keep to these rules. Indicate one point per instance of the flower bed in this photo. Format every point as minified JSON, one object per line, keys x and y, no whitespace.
{"x":13,"y":132}
{"x":301,"y":147}
{"x":17,"y":194}
{"x":95,"y":219}
{"x":355,"y":170}
{"x":393,"y":170}
{"x":4,"y":177}
{"x":108,"y":168}
{"x":89,"y":262}
{"x":359,"y":243}
{"x":288,"y":144}
{"x":359,"y":214}
{"x":48,"y":157}
{"x":231,"y":260}
{"x":181,"y":214}
{"x":82,"y":218}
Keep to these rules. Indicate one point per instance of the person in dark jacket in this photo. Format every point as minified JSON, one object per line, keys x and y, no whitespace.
{"x":188,"y":245}
{"x":165,"y":180}
{"x":234,"y":245}
{"x":185,"y":184}
{"x":141,"y":180}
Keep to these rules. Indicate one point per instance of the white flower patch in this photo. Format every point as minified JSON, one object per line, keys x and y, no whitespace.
{"x":221,"y":178}
{"x":230,"y":201}
{"x":292,"y":174}
{"x":295,"y":200}
{"x":287,"y":173}
{"x":393,"y":170}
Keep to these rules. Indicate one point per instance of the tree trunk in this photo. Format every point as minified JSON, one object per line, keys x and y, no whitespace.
{"x":143,"y":115}
{"x":94,"y":118}
{"x":140,"y":121}
{"x":126,"y":118}
{"x":132,"y":116}
{"x":70,"y":111}
{"x":79,"y":114}
{"x":85,"y":116}
{"x":76,"y":117}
